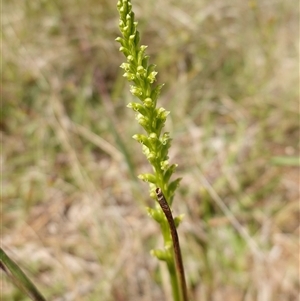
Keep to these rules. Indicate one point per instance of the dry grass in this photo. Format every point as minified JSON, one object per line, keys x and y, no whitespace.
{"x":73,"y":212}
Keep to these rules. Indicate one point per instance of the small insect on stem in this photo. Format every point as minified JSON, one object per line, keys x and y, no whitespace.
{"x":179,"y":264}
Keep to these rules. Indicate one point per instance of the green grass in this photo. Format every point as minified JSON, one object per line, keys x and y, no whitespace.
{"x":69,"y":212}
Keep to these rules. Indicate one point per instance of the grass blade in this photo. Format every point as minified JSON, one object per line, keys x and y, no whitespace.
{"x":18,"y":277}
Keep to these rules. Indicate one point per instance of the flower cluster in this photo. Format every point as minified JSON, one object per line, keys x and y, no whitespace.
{"x":143,"y":75}
{"x":155,"y":144}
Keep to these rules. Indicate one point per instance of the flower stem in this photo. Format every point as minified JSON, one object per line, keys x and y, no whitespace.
{"x":177,"y":252}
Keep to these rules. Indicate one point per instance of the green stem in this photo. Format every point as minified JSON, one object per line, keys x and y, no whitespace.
{"x":171,"y":260}
{"x":173,"y":280}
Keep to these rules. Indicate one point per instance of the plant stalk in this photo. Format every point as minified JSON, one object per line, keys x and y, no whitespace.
{"x":177,"y":252}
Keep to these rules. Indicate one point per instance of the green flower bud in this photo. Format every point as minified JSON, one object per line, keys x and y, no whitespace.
{"x":141,"y":54}
{"x":129,"y":76}
{"x":136,"y":91}
{"x":125,"y":30}
{"x":130,"y":58}
{"x":154,"y":141}
{"x":161,"y":254}
{"x":151,"y":77}
{"x":148,"y":177}
{"x":145,"y":150}
{"x":143,"y":121}
{"x":143,"y":47}
{"x":178,"y":220}
{"x":148,"y":102}
{"x":157,"y":215}
{"x":120,"y":40}
{"x":122,"y":49}
{"x":165,"y":145}
{"x":165,"y":138}
{"x":162,"y":114}
{"x":164,"y":165}
{"x":141,"y":71}
{"x":142,"y":139}
{"x":125,"y":66}
{"x":151,"y":157}
{"x":153,"y":136}
{"x":152,"y":192}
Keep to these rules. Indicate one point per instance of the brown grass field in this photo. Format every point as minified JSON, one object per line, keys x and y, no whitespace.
{"x":73,"y":210}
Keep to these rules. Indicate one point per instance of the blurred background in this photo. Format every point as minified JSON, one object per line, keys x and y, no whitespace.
{"x":73,"y":211}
